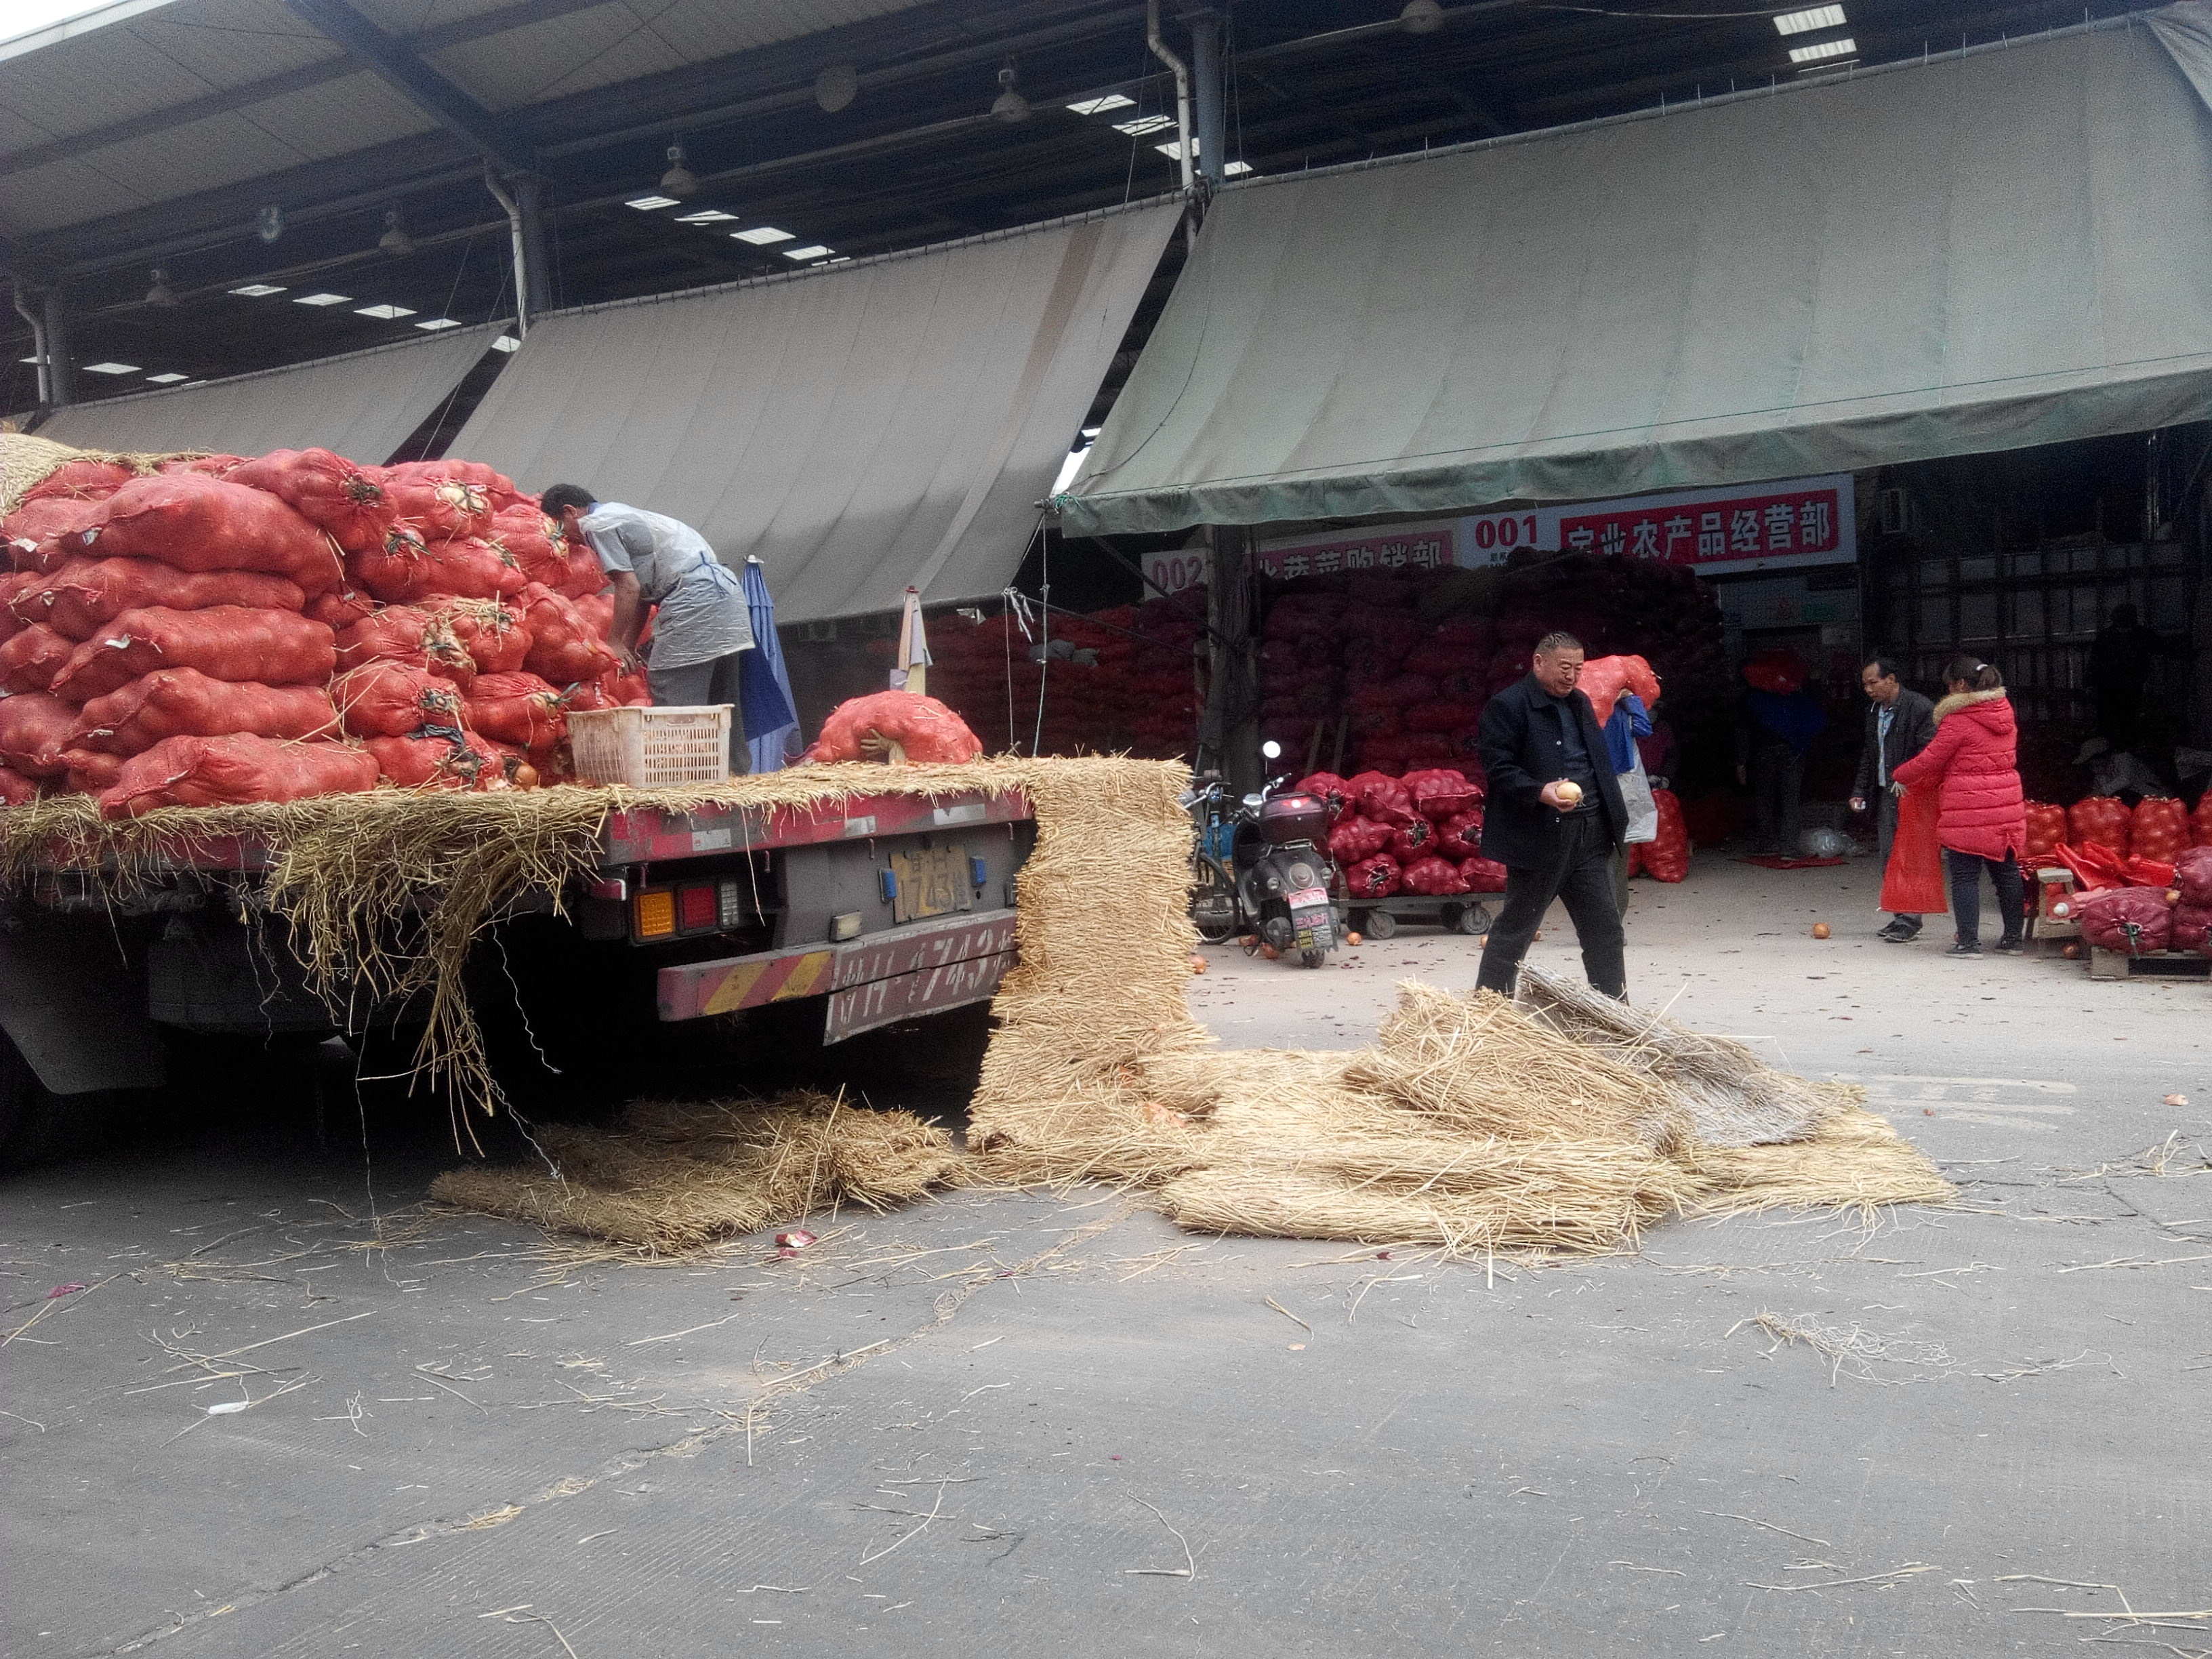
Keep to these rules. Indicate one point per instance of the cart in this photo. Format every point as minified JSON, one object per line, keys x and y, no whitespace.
{"x":1456,"y":913}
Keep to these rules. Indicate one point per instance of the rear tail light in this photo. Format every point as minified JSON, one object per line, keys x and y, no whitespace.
{"x":656,"y":914}
{"x":697,"y":908}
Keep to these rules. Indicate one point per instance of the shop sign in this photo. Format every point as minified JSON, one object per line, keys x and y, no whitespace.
{"x":1772,"y":527}
{"x":1402,"y":548}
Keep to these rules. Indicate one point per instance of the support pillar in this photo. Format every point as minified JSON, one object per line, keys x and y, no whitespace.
{"x":1230,"y":737}
{"x":61,"y":367}
{"x":1205,"y":72}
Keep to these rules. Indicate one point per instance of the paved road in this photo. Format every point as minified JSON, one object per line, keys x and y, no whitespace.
{"x":1048,"y":1426}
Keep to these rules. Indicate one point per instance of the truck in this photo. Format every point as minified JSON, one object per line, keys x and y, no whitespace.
{"x":723,"y":939}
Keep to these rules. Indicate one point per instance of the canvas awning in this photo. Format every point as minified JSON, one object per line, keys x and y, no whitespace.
{"x":2002,"y":247}
{"x":362,"y":405}
{"x":860,"y":428}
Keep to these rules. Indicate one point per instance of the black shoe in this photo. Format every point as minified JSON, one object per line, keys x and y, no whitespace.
{"x":1965,"y":948}
{"x":2011,"y":947}
{"x":1898,"y":933}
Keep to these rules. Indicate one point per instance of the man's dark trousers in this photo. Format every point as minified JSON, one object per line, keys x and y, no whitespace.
{"x":1582,"y":880}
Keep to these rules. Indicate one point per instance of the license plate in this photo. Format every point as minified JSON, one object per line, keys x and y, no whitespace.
{"x":931,"y":883}
{"x":1315,"y":925}
{"x":1307,"y":898}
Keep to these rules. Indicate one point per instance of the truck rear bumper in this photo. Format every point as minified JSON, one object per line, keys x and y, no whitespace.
{"x":924,"y":967}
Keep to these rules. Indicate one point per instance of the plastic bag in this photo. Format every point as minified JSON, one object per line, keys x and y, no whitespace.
{"x":1414,"y":839}
{"x":921,"y":726}
{"x":394,"y":699}
{"x":518,"y":708}
{"x":85,"y":595}
{"x":173,"y":702}
{"x":1483,"y":875}
{"x":1440,"y":792}
{"x":2095,"y":866}
{"x":1329,"y":787}
{"x":1912,"y":884}
{"x":233,"y":770}
{"x":198,"y":523}
{"x":274,"y":647}
{"x":2134,"y":920}
{"x":34,"y":729}
{"x":1437,"y":877}
{"x":1373,"y":878}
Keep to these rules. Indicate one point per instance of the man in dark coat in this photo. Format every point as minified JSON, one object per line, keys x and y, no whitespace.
{"x":1553,"y":817}
{"x":1899,"y":723}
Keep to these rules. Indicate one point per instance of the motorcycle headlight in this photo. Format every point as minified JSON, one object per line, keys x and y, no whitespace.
{"x":1274,"y":882}
{"x":1301,"y":875}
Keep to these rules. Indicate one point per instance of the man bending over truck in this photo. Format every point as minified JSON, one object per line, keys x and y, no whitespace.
{"x":700,"y":621}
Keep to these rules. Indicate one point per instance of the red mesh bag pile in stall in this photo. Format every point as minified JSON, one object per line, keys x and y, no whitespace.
{"x":1434,"y":877}
{"x":2158,"y":831}
{"x":924,"y":727}
{"x":2133,"y":920}
{"x":34,"y":730}
{"x":327,"y":490}
{"x":518,"y":708}
{"x":1373,"y":878}
{"x":1666,"y":857}
{"x":15,"y":585}
{"x":1483,"y":875}
{"x":85,"y":595}
{"x":30,"y":659}
{"x":2100,"y":818}
{"x":1356,"y":838}
{"x":198,"y":523}
{"x":383,"y":699}
{"x":1459,"y":836}
{"x":173,"y":703}
{"x":1328,"y":788}
{"x":226,"y":641}
{"x":231,"y":771}
{"x":1440,"y":793}
{"x":2046,"y":829}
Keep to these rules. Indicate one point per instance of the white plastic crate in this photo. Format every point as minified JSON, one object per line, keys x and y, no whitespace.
{"x":651,"y":748}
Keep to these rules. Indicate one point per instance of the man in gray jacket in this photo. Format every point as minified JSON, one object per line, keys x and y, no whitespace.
{"x":1899,"y":723}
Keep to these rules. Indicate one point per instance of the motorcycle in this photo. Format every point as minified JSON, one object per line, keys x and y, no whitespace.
{"x":1265,"y":871}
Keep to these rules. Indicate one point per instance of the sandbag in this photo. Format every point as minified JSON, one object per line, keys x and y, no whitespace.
{"x":198,"y":523}
{"x":381,"y":699}
{"x":273,"y":648}
{"x":230,"y":771}
{"x":565,"y":648}
{"x":1483,"y":875}
{"x":34,"y":730}
{"x":518,"y":708}
{"x":30,"y":660}
{"x":86,"y":595}
{"x":455,"y":760}
{"x":1327,"y":788}
{"x":37,"y":531}
{"x":493,"y":634}
{"x":328,"y":491}
{"x":173,"y":702}
{"x":1373,"y":878}
{"x":82,"y":480}
{"x":922,"y":726}
{"x":1437,"y":877}
{"x":2133,"y":920}
{"x":2193,"y":875}
{"x":15,"y":789}
{"x":1440,"y":792}
{"x":411,"y":635}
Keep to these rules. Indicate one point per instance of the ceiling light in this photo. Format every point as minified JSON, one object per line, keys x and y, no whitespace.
{"x":764,"y":235}
{"x":837,"y":86}
{"x":1100,"y":106}
{"x":1845,"y":47}
{"x":170,"y":379}
{"x":1144,"y":123}
{"x":679,"y":180}
{"x":436,"y":323}
{"x":707,"y":216}
{"x":648,"y":204}
{"x":387,"y":313}
{"x":1421,"y":17}
{"x":811,"y":250}
{"x":322,"y":299}
{"x":1802,"y":22}
{"x":395,"y":240}
{"x":1009,"y":105}
{"x":506,"y":343}
{"x":1234,"y":169}
{"x":160,"y":294}
{"x":257,"y":290}
{"x":113,"y":368}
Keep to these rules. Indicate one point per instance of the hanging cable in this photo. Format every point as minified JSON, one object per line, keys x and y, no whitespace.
{"x":1044,"y":631}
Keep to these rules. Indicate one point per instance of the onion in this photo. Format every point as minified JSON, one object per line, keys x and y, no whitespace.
{"x":1571,"y":792}
{"x":1820,"y":930}
{"x":525,"y":776}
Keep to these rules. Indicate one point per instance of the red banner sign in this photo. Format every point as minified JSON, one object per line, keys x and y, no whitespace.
{"x":1761,"y":524}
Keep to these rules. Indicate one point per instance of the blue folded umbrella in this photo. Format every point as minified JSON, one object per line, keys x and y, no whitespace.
{"x":764,"y":683}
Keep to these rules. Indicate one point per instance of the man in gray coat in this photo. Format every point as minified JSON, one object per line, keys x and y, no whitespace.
{"x":1899,"y":723}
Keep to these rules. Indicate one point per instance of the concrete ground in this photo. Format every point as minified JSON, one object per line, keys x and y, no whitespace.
{"x":1044,"y":1425}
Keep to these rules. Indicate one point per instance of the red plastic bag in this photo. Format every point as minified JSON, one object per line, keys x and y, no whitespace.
{"x":1459,"y":836}
{"x":1373,"y":878}
{"x":1483,"y":875}
{"x":394,"y":699}
{"x":1912,"y":884}
{"x":85,"y":595}
{"x":173,"y":703}
{"x":565,"y":646}
{"x":1328,"y":787}
{"x":40,"y":534}
{"x":34,"y":729}
{"x":1437,"y":877}
{"x":80,"y":481}
{"x":1355,"y":838}
{"x":924,"y":727}
{"x":233,"y":770}
{"x":2095,"y":866}
{"x":2102,"y":819}
{"x":411,"y":635}
{"x":198,"y":523}
{"x":460,"y":760}
{"x":518,"y":708}
{"x":1414,"y":839}
{"x":2134,"y":920}
{"x":30,"y":660}
{"x":2046,"y":829}
{"x":2158,"y":831}
{"x":1666,"y":856}
{"x":274,"y":647}
{"x":327,"y":490}
{"x":1440,"y":792}
{"x":1604,"y":678}
{"x":1381,"y":798}
{"x":15,"y":789}
{"x":2192,"y":874}
{"x":493,"y":633}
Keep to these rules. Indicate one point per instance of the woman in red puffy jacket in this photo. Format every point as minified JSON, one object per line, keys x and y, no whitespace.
{"x":1980,"y":822}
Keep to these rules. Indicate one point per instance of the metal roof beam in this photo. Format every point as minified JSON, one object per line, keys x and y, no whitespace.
{"x":415,"y":79}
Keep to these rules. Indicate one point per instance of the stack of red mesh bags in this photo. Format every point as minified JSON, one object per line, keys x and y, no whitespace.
{"x":2106,"y":844}
{"x":1418,"y":833}
{"x":223,"y":630}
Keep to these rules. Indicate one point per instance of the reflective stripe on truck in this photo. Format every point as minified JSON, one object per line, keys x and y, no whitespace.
{"x":638,"y":836}
{"x":874,"y":981}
